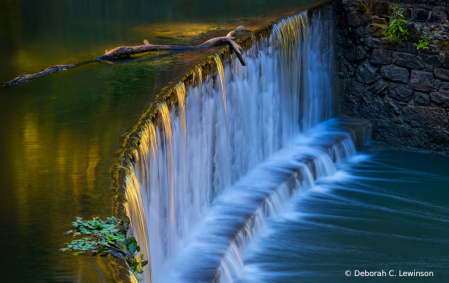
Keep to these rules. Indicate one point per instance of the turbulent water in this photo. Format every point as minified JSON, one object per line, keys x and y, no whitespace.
{"x":240,"y":211}
{"x":384,"y":209}
{"x":222,"y":129}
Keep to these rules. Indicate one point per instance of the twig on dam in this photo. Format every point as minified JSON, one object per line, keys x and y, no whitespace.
{"x":127,"y":51}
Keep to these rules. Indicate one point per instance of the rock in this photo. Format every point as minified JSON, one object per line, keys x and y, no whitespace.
{"x":377,"y":29}
{"x":353,"y":5}
{"x":431,"y":117}
{"x":446,"y":61}
{"x":436,"y":17}
{"x":408,"y":47}
{"x":400,"y":92}
{"x":355,"y":53}
{"x":422,"y":81}
{"x":345,"y":67}
{"x":440,"y":98}
{"x":422,"y":15}
{"x":392,"y":106}
{"x":433,"y":60}
{"x":381,"y":57}
{"x":356,"y":19}
{"x":380,"y":8}
{"x":372,"y":42}
{"x":442,"y":74}
{"x":345,"y":41}
{"x":436,"y":85}
{"x":377,"y":20}
{"x":353,"y":87}
{"x":444,"y":85}
{"x":414,"y":31}
{"x":408,"y":60}
{"x":408,"y":13}
{"x":378,"y":88}
{"x":362,"y":31}
{"x":366,"y":73}
{"x":428,"y":68}
{"x":433,"y":49}
{"x":394,"y":73}
{"x":388,"y":43}
{"x":422,"y":99}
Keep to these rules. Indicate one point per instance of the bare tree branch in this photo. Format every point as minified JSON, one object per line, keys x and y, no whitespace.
{"x":126,"y":51}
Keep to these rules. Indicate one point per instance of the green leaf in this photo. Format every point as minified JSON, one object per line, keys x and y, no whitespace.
{"x":112,"y":220}
{"x":132,"y":248}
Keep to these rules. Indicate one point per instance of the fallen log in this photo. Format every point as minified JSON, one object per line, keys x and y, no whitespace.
{"x":126,"y":51}
{"x":26,"y":78}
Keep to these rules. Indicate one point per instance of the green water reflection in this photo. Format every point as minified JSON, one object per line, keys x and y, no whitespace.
{"x":61,"y":135}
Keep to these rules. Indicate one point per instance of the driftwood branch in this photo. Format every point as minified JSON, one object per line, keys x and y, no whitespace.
{"x":26,"y":78}
{"x":126,"y":51}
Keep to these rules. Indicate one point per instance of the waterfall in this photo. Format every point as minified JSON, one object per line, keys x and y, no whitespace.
{"x":218,"y":132}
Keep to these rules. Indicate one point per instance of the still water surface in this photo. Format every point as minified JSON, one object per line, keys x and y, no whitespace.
{"x":61,"y":135}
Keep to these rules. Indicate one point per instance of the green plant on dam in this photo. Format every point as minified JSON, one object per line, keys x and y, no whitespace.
{"x":106,"y":237}
{"x":396,"y":29}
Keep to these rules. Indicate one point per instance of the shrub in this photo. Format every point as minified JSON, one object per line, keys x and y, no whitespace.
{"x":423,"y":43}
{"x":395,"y":29}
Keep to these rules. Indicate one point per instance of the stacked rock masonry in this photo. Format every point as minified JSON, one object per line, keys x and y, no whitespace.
{"x":403,"y":91}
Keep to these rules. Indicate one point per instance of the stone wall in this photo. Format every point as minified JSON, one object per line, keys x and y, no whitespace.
{"x":403,"y":91}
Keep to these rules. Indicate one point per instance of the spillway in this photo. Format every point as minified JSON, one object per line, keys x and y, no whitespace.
{"x":241,"y":125}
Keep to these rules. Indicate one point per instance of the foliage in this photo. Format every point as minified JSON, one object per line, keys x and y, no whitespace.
{"x":106,"y":237}
{"x":396,"y":29}
{"x":423,"y":43}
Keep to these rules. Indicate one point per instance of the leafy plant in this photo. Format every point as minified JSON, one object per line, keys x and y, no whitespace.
{"x":423,"y":43}
{"x":106,"y":237}
{"x":395,"y":29}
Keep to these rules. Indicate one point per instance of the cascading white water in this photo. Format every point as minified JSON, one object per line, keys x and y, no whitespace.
{"x":300,"y":179}
{"x":226,"y":126}
{"x":240,"y":211}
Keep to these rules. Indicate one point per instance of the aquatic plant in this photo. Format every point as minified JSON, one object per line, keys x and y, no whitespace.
{"x":106,"y":237}
{"x":395,"y":29}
